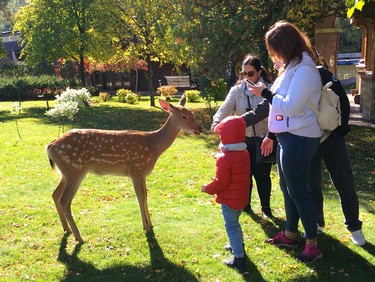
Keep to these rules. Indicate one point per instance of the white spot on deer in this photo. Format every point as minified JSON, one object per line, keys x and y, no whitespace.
{"x":66,"y":159}
{"x":77,"y":166}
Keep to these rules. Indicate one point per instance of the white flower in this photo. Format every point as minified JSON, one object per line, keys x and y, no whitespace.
{"x":69,"y":103}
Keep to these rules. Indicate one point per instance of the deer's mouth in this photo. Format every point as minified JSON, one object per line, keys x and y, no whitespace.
{"x":198,"y":131}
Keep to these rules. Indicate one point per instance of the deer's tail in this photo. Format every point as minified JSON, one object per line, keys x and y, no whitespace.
{"x":51,"y":162}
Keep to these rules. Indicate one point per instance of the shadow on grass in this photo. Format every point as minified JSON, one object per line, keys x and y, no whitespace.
{"x":339,"y":263}
{"x":160,"y":269}
{"x":270,"y":225}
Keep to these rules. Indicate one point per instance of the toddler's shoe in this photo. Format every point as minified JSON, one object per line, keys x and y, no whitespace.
{"x":281,"y":241}
{"x":358,"y":238}
{"x":236,"y":263}
{"x":310,"y":254}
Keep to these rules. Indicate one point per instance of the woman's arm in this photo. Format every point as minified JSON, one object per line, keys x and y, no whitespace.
{"x":257,"y":114}
{"x":226,"y":109}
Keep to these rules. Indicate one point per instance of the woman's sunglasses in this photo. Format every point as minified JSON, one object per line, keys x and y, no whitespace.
{"x":249,"y":73}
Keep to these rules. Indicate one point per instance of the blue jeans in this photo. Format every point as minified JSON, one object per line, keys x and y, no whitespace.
{"x":336,"y":157}
{"x":234,"y":230}
{"x":294,"y":155}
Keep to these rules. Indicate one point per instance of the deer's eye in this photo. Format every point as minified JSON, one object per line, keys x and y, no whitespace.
{"x":184,"y":117}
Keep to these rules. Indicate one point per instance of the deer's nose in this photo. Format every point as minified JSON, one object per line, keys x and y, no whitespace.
{"x":199,"y":131}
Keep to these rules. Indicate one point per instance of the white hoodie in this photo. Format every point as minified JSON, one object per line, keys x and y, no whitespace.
{"x":293,"y":88}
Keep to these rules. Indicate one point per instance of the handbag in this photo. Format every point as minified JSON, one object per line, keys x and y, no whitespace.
{"x":271,"y":158}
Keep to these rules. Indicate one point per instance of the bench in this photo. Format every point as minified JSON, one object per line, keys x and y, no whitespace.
{"x":180,"y":82}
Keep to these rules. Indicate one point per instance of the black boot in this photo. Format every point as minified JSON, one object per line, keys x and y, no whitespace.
{"x":267,"y":213}
{"x":237,"y":263}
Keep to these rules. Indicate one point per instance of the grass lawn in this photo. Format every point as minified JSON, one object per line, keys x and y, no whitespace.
{"x":188,"y":239}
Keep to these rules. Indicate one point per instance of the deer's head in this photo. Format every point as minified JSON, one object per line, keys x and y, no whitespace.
{"x":183,"y":117}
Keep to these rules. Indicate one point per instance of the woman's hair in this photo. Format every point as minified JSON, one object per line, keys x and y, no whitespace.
{"x":285,"y":41}
{"x":251,"y":60}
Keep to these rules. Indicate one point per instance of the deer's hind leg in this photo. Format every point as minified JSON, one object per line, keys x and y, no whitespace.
{"x":56,"y":195}
{"x":72,"y":185}
{"x":139,"y":184}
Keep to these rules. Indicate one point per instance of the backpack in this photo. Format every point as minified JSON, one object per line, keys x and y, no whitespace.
{"x":329,"y":112}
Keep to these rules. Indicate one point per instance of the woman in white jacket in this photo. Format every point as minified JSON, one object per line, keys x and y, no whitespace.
{"x":296,"y":129}
{"x":239,"y":101}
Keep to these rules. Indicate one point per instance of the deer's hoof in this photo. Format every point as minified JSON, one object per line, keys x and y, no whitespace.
{"x":80,"y":240}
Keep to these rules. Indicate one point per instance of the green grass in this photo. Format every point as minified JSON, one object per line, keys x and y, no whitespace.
{"x":188,"y":235}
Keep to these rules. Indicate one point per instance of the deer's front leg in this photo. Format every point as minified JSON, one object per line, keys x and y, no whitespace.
{"x":139,"y":184}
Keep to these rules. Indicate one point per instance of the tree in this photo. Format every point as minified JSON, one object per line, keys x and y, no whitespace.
{"x":151,"y":25}
{"x":217,"y":31}
{"x":62,"y":29}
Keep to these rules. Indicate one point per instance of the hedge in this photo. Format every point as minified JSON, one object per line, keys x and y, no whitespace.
{"x":31,"y":88}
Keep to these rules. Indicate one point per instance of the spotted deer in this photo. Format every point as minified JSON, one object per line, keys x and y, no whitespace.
{"x":127,"y":152}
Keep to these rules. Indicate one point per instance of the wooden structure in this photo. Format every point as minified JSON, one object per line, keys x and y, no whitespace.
{"x":327,"y":42}
{"x":365,"y":20}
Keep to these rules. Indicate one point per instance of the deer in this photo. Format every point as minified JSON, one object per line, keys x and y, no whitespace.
{"x":128,"y":153}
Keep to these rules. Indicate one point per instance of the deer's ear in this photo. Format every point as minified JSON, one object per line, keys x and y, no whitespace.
{"x":165,"y":105}
{"x":182,"y":100}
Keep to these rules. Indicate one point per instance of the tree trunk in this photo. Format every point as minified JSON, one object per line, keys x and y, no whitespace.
{"x":82,"y":70}
{"x":150,"y":86}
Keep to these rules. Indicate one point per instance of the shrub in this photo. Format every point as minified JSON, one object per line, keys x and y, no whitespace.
{"x":167,"y":91}
{"x":104,"y":96}
{"x":131,"y":98}
{"x":69,"y":103}
{"x":192,"y":95}
{"x":121,"y":93}
{"x":94,"y":91}
{"x":30,"y":87}
{"x":127,"y":96}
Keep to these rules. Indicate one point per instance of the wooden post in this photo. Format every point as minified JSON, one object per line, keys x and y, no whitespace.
{"x":327,"y":42}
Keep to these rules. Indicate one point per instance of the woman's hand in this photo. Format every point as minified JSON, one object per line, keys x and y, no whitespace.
{"x":213,"y":126}
{"x":204,"y":188}
{"x":257,"y":88}
{"x":267,"y":147}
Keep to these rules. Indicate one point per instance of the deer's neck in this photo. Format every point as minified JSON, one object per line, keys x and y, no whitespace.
{"x":163,"y":138}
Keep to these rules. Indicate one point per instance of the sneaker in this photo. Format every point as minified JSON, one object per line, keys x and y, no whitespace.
{"x":319,"y":230}
{"x":281,"y":241}
{"x":266,"y":213}
{"x":358,"y":238}
{"x":237,"y":263}
{"x":310,"y":254}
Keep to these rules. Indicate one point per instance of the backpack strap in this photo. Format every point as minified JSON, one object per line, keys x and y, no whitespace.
{"x":312,"y":106}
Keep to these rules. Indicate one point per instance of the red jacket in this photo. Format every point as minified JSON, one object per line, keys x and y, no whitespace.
{"x":231,"y":184}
